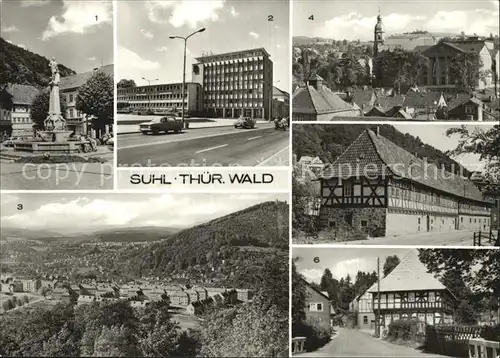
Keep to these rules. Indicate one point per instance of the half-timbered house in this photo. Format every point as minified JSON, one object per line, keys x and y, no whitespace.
{"x":410,"y":292}
{"x":381,"y":189}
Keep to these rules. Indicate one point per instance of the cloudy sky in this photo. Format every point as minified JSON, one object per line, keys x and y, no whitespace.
{"x":144,"y":49}
{"x":74,"y":212}
{"x":435,"y":136}
{"x":78,"y":33}
{"x":355,"y":19}
{"x":342,"y":261}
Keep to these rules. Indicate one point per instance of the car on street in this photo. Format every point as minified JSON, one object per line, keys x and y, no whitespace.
{"x":10,"y":142}
{"x":162,"y":124}
{"x":245,"y":122}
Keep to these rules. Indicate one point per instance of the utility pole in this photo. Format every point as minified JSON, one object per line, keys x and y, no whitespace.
{"x":379,"y":317}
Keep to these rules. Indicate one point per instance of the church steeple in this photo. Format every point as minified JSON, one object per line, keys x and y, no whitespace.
{"x":378,"y":34}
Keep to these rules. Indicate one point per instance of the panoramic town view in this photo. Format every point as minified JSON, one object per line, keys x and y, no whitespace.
{"x":396,"y":184}
{"x":179,"y":275}
{"x":394,"y":302}
{"x":397,"y":61}
{"x":231,"y":61}
{"x":56,"y":97}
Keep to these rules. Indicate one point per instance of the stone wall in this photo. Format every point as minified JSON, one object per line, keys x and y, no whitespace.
{"x":371,"y":221}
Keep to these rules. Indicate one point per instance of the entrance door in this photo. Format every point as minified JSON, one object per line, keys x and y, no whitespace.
{"x":428,"y":223}
{"x":348,"y":219}
{"x":456,"y":223}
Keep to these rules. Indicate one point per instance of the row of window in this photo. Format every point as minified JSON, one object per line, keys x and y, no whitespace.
{"x":233,"y":86}
{"x":238,"y":104}
{"x":422,"y":198}
{"x":152,"y":97}
{"x":255,"y":96}
{"x":155,"y":105}
{"x":158,"y":88}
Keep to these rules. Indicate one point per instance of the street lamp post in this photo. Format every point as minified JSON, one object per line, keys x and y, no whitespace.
{"x":184,"y":65}
{"x":149,"y":98}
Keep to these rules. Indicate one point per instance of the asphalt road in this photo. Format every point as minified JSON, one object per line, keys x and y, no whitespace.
{"x":218,"y":146}
{"x":353,"y":343}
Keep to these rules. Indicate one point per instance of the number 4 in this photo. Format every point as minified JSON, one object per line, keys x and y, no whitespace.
{"x":311,"y":17}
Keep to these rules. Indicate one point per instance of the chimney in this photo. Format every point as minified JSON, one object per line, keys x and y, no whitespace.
{"x":378,"y":131}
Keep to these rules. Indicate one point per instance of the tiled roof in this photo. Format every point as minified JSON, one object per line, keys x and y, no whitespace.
{"x":390,"y":101}
{"x":321,"y":100}
{"x":78,"y":80}
{"x":372,"y":154}
{"x":421,"y":99}
{"x":457,"y":100}
{"x":470,"y":46}
{"x":409,"y":275}
{"x":362,"y":97}
{"x":22,"y":94}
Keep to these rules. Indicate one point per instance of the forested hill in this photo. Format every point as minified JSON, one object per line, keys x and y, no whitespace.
{"x":232,"y":246}
{"x":21,"y":66}
{"x":328,"y":142}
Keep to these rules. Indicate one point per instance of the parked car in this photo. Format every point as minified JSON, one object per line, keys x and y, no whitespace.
{"x":245,"y":122}
{"x":10,"y":142}
{"x":162,"y":124}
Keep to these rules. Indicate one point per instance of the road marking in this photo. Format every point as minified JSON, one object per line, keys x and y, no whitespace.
{"x":206,"y":150}
{"x":272,"y":156}
{"x":259,"y":136}
{"x":183,"y":140}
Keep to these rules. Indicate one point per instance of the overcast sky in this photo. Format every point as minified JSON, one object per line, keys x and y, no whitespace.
{"x":144,"y":49}
{"x":342,"y":261}
{"x":74,"y":212}
{"x":353,"y":20}
{"x":435,"y":136}
{"x":79,"y":34}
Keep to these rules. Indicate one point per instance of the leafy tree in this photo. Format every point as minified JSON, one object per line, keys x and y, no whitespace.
{"x":63,"y":343}
{"x":26,"y":299}
{"x":478,"y":269}
{"x":298,"y":297}
{"x":43,"y":291}
{"x":7,"y":305}
{"x":486,"y":143}
{"x":124,"y":83}
{"x":465,"y":70}
{"x":95,"y":98}
{"x":40,"y":107}
{"x":390,"y":264}
{"x":115,"y":341}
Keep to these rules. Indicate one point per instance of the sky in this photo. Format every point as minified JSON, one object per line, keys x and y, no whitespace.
{"x":144,"y":49}
{"x":79,"y":34}
{"x":74,"y":212}
{"x":356,"y":19}
{"x":341,"y":261}
{"x":435,"y":136}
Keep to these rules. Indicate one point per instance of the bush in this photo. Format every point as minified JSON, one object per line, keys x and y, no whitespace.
{"x":401,"y":329}
{"x":59,"y":159}
{"x":316,"y":336}
{"x":491,"y":333}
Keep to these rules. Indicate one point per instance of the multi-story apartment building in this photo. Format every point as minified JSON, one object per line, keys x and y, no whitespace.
{"x":236,"y":83}
{"x":31,"y":285}
{"x":162,"y":98}
{"x":69,"y":87}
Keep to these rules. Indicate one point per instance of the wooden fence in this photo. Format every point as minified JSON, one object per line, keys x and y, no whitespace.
{"x":481,"y":237}
{"x":298,"y":345}
{"x":451,"y":340}
{"x":481,"y":348}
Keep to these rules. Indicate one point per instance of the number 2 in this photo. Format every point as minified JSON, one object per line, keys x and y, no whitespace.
{"x":270,"y":18}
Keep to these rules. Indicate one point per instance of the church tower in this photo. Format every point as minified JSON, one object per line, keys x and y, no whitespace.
{"x":379,"y":35}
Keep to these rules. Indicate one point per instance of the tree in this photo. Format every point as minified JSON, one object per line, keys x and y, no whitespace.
{"x":43,"y":291}
{"x":390,"y":264}
{"x":486,"y":143}
{"x":465,"y":71}
{"x":7,"y":305}
{"x":124,"y":83}
{"x":115,"y":341}
{"x":40,"y":107}
{"x":478,"y":269}
{"x":298,"y":297}
{"x":26,"y":299}
{"x":95,"y":99}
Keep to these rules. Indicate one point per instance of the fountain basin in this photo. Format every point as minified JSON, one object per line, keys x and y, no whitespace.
{"x":67,"y":147}
{"x":55,"y":136}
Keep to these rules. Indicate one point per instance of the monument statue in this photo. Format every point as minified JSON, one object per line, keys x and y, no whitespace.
{"x":55,"y":121}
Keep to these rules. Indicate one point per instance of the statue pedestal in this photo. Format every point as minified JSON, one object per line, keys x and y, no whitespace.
{"x":55,"y":136}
